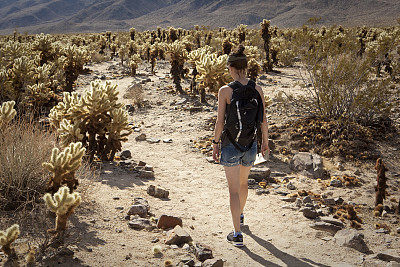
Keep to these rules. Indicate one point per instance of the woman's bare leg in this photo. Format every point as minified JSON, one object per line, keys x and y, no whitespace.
{"x":233,"y":178}
{"x":244,"y":188}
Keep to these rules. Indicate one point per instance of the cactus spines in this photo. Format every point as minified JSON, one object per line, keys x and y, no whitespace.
{"x":253,"y":69}
{"x":6,"y":238}
{"x":7,"y":112}
{"x":63,"y":203}
{"x":64,"y":165}
{"x":134,"y":62}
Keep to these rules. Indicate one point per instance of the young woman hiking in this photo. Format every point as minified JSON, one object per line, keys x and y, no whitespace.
{"x":236,"y":158}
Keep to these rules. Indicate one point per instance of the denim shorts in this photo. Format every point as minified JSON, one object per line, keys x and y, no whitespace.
{"x":231,"y":156}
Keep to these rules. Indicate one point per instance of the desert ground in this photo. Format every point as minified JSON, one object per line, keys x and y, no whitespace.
{"x":276,"y":233}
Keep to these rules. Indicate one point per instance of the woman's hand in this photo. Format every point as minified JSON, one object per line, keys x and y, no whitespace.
{"x":264,"y":148}
{"x":215,"y":153}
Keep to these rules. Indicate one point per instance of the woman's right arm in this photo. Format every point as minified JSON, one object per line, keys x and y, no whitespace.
{"x":223,"y":95}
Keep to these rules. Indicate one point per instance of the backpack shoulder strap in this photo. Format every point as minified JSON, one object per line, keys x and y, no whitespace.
{"x":234,"y":85}
{"x":252,"y":84}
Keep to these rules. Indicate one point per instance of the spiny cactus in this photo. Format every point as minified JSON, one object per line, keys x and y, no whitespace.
{"x":7,"y":112}
{"x":253,"y":69}
{"x":178,"y":55}
{"x":63,"y":203}
{"x":96,"y":114}
{"x":6,"y":238}
{"x":75,"y":58}
{"x":266,"y":36}
{"x":134,"y":62}
{"x":212,"y":73}
{"x":43,"y":44}
{"x":63,"y":165}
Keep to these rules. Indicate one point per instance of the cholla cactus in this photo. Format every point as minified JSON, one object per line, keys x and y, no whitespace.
{"x":63,"y":203}
{"x":212,"y":73}
{"x":178,"y":55}
{"x":7,"y":112}
{"x":253,"y":69}
{"x":70,"y":132}
{"x":6,"y":238}
{"x":93,"y":116}
{"x":134,"y":62}
{"x":74,"y":60}
{"x":64,"y":165}
{"x":266,"y":35}
{"x":43,"y":44}
{"x":241,"y":29}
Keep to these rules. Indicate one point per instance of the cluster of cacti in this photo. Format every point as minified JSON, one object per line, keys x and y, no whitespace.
{"x":96,"y":119}
{"x":7,"y":113}
{"x":134,"y":62}
{"x":63,"y":204}
{"x":7,"y":238}
{"x":73,"y":61}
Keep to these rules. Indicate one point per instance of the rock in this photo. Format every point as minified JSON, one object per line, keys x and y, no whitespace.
{"x":307,"y":200}
{"x":141,"y":201}
{"x":161,"y":193}
{"x":327,"y":227}
{"x":139,"y":224}
{"x":388,"y":256}
{"x":339,"y":200}
{"x":126,"y":154}
{"x":195,"y":109}
{"x":262,"y":191}
{"x":167,"y":141}
{"x":336,"y":183}
{"x":308,"y":164}
{"x":153,"y":140}
{"x":309,"y":213}
{"x":288,"y":199}
{"x":140,"y":210}
{"x":148,"y":168}
{"x":151,"y":190}
{"x":203,"y":252}
{"x":340,"y":166}
{"x":258,"y":174}
{"x":329,"y":202}
{"x":331,"y":220}
{"x":142,"y":163}
{"x":141,"y":137}
{"x":178,"y":236}
{"x":213,"y":263}
{"x":398,"y":230}
{"x":352,"y":239}
{"x":166,"y":222}
{"x":291,"y":186}
{"x":146,"y":174}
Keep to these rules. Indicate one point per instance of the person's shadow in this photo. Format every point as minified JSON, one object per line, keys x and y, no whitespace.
{"x":289,"y":260}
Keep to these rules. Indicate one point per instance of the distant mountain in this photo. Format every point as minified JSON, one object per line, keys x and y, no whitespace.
{"x":63,"y":16}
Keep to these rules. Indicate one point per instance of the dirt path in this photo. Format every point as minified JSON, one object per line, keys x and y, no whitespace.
{"x":274,"y":235}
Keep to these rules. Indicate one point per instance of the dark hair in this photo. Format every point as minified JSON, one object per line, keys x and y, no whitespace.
{"x":237,"y":58}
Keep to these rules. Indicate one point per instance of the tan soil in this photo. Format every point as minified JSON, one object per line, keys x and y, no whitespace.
{"x":274,"y":236}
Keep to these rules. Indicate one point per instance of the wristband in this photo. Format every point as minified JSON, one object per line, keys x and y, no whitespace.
{"x":215,"y":142}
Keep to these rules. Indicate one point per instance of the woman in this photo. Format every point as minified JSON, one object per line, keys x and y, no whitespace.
{"x":237,"y":164}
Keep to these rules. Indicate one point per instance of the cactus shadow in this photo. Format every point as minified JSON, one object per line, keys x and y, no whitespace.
{"x":81,"y":235}
{"x":120,"y":177}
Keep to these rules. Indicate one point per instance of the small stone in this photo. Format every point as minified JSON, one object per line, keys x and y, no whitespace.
{"x":382,"y":231}
{"x":203,"y":252}
{"x":339,"y":200}
{"x":213,"y":263}
{"x":307,"y":199}
{"x":116,"y":198}
{"x":139,"y":224}
{"x":166,"y":221}
{"x":141,"y":137}
{"x":309,"y":213}
{"x":119,"y":208}
{"x":336,"y":183}
{"x":174,"y":246}
{"x":262,"y":191}
{"x":340,"y":166}
{"x":329,"y":201}
{"x":127,"y":217}
{"x":155,"y":240}
{"x":288,"y":199}
{"x":398,"y":230}
{"x":92,"y":221}
{"x":178,"y":236}
{"x":167,"y":141}
{"x":290,"y":186}
{"x":104,"y":181}
{"x":332,"y":220}
{"x":126,"y":154}
{"x":148,"y":168}
{"x":146,"y":174}
{"x":152,"y":140}
{"x":327,"y":227}
{"x":140,"y":210}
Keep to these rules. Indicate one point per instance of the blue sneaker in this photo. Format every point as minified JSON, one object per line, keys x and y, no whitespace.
{"x":241,"y":219}
{"x":237,"y":241}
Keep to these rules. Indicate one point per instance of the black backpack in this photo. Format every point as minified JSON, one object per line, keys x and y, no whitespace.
{"x":244,"y":115}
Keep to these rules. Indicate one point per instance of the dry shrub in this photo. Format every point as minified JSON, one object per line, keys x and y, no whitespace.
{"x":23,"y":148}
{"x":135,"y":93}
{"x":341,"y":87}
